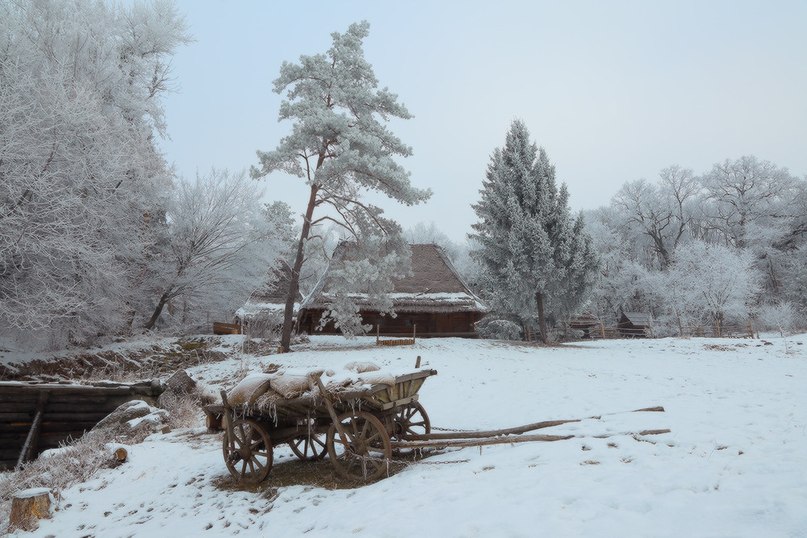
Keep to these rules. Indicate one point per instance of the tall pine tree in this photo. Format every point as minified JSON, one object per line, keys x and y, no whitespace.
{"x":534,"y":256}
{"x":341,"y":146}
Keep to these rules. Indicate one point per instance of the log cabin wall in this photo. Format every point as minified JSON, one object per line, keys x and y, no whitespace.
{"x":67,"y":412}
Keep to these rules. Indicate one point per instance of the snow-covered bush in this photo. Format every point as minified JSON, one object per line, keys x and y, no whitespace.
{"x":781,"y":317}
{"x":498,"y":329}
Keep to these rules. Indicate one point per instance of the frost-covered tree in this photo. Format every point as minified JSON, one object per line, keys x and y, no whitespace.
{"x":620,"y":283}
{"x":710,"y":283}
{"x":82,"y":186}
{"x":339,"y":144}
{"x":530,"y":250}
{"x":221,"y":241}
{"x":746,"y":195}
{"x":661,"y":211}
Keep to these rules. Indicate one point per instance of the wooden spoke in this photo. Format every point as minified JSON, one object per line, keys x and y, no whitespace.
{"x":368,"y":450}
{"x":310,"y":447}
{"x":411,"y":420}
{"x":249,"y":457}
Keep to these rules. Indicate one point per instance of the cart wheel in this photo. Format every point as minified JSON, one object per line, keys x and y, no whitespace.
{"x":411,"y":420}
{"x":309,"y":447}
{"x":249,"y":456}
{"x":368,"y":451}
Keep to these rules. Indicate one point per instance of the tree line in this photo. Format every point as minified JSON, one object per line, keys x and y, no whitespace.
{"x":723,"y":246}
{"x":99,"y":238}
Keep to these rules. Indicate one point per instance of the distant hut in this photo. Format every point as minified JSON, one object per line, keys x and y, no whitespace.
{"x":433,"y":300}
{"x":588,"y":323}
{"x":265,"y":307}
{"x":635,"y":325}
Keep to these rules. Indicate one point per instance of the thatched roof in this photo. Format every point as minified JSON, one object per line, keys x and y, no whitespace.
{"x":638,"y":319}
{"x":584,"y":320}
{"x":270,"y":297}
{"x":433,"y":286}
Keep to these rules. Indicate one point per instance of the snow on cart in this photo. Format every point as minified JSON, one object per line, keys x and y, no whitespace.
{"x":352,"y":415}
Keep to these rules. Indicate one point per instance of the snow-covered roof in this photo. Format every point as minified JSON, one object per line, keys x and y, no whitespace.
{"x":433,"y":286}
{"x":271,"y":297}
{"x":639,"y":318}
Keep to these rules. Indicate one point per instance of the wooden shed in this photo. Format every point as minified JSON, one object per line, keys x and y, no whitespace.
{"x":635,"y":325}
{"x":433,"y":299}
{"x":588,"y":323}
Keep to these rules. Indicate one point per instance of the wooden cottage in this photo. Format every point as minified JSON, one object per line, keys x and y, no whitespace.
{"x":433,"y":301}
{"x":635,"y":325}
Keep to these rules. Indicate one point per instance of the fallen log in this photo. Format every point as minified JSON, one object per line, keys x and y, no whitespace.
{"x":120,"y":455}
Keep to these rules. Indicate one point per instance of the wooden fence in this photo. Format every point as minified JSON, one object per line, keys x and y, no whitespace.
{"x":731,"y":330}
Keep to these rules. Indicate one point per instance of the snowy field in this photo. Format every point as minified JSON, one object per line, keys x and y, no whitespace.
{"x":735,"y":463}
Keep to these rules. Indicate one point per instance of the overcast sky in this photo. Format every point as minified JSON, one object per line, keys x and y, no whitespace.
{"x":614,"y":91}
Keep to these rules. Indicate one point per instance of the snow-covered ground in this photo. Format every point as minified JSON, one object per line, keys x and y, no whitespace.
{"x":735,"y":463}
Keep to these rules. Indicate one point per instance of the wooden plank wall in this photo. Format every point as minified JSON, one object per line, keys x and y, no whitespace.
{"x":68,"y":411}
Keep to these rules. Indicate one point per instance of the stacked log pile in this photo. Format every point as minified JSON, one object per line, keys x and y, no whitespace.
{"x":35,"y":417}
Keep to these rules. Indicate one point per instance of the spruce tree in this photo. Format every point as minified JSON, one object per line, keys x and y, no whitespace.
{"x":533,"y":255}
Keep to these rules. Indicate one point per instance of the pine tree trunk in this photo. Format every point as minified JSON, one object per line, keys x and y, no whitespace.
{"x":539,"y":299}
{"x":294,"y":280}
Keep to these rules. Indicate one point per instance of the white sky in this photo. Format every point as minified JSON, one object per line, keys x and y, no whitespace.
{"x":614,"y":91}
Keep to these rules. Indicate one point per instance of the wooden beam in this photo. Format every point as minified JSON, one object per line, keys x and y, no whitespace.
{"x":396,"y":403}
{"x":33,"y":434}
{"x":462,"y":443}
{"x":517,"y":430}
{"x":492,"y":433}
{"x":332,"y":413}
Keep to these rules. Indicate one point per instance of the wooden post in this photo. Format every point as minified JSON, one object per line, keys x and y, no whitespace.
{"x":28,"y":507}
{"x":226,"y":419}
{"x":417,"y":362}
{"x":602,"y":330}
{"x":332,"y":412}
{"x":29,"y":447}
{"x":414,"y":331}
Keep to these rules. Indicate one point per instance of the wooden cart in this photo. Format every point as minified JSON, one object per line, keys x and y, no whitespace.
{"x":356,"y":428}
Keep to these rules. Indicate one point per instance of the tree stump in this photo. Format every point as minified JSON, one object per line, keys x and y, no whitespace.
{"x":28,"y":507}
